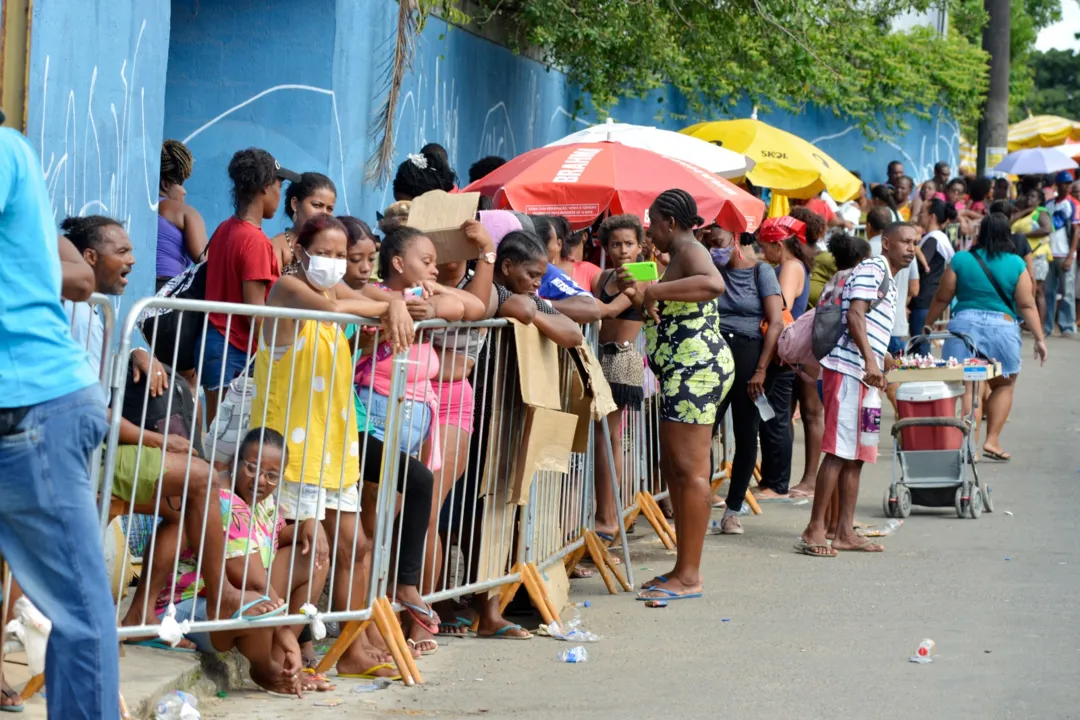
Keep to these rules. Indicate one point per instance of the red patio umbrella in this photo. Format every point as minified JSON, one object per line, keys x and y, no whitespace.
{"x":582,"y":181}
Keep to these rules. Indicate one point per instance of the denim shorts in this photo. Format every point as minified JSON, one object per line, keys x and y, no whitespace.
{"x":415,"y":421}
{"x":219,"y":352}
{"x":995,"y":335}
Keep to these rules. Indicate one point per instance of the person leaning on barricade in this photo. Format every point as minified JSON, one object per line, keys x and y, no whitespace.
{"x":519,"y":269}
{"x":263,"y":555}
{"x":407,"y":265}
{"x":313,"y":194}
{"x":154,"y":473}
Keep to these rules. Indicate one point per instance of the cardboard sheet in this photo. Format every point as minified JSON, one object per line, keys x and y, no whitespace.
{"x":546,"y":442}
{"x":596,"y":385}
{"x":538,"y":367}
{"x":440,"y":215}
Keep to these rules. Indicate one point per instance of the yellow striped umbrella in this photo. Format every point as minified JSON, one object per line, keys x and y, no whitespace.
{"x":784,"y":162}
{"x":1042,"y":131}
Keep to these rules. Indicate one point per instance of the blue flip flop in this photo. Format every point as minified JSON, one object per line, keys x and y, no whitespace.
{"x":10,"y":694}
{"x":158,"y":644}
{"x":244,"y":608}
{"x":670,"y":595}
{"x":500,"y":634}
{"x":607,"y":537}
{"x":661,"y":578}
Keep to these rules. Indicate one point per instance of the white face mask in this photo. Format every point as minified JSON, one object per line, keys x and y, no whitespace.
{"x":323,"y":272}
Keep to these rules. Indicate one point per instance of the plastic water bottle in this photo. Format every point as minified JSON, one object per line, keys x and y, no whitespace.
{"x":177,"y":705}
{"x":870,"y":419}
{"x":764,"y":408}
{"x":574,"y":655}
{"x":925,"y":652}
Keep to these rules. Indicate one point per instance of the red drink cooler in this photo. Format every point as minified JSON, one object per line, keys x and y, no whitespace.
{"x":929,"y":399}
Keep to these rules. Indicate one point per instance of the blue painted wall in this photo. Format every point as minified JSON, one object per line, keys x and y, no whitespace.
{"x":95,"y":113}
{"x":304,"y":83}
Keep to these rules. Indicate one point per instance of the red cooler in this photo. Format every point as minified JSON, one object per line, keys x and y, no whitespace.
{"x":929,"y":399}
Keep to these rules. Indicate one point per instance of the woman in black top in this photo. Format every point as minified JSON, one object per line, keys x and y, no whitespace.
{"x":938,"y":251}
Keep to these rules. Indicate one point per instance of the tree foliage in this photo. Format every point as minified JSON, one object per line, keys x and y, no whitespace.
{"x":1056,"y":87}
{"x":837,"y":54}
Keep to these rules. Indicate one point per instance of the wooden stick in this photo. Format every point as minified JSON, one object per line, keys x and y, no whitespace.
{"x":753,"y":503}
{"x":532,"y":585}
{"x":378,"y":614}
{"x":32,"y":686}
{"x":543,"y":590}
{"x":399,"y":635}
{"x":349,"y":635}
{"x":657,"y":513}
{"x":125,"y":714}
{"x":599,"y":558}
{"x":652,"y":513}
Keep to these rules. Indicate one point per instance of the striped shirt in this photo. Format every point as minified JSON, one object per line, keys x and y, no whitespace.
{"x":864,"y":283}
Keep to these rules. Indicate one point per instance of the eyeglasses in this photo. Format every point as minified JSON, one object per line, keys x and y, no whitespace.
{"x":272,"y":478}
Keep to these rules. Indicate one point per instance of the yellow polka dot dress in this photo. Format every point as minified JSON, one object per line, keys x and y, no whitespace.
{"x":307,"y":396}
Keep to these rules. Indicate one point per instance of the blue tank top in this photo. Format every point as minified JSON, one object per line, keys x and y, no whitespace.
{"x":799,"y":306}
{"x":172,"y":257}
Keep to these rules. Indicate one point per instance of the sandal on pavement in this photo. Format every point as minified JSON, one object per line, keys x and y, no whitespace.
{"x":10,"y":694}
{"x":369,"y":674}
{"x":667,"y":594}
{"x":501,"y":634}
{"x":804,"y":548}
{"x":431,"y":646}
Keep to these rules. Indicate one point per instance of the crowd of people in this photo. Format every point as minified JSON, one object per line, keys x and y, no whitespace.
{"x":283,"y":421}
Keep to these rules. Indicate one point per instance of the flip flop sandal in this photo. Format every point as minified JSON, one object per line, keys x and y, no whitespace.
{"x":158,"y":644}
{"x":10,"y":694}
{"x":415,"y":644}
{"x":1000,"y":457}
{"x":247,"y":606}
{"x":426,"y":617}
{"x":668,"y":594}
{"x":863,"y":548}
{"x":580,"y":573}
{"x":647,"y":585}
{"x":501,"y":634}
{"x":369,"y":674}
{"x":804,"y":548}
{"x":458,"y":628}
{"x":317,"y":677}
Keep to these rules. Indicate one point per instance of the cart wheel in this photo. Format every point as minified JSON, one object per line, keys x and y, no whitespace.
{"x":903,"y":502}
{"x":988,"y":498}
{"x":958,"y":502}
{"x":886,"y":506}
{"x":975,"y":505}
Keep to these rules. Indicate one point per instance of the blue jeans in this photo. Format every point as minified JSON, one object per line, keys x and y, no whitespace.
{"x":916,"y":324}
{"x":1058,"y":280}
{"x":49,"y":533}
{"x":219,"y":352}
{"x":415,"y":420}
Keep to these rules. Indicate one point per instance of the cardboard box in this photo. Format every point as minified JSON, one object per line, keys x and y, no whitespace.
{"x":538,"y":368}
{"x":440,"y":215}
{"x":547,"y":438}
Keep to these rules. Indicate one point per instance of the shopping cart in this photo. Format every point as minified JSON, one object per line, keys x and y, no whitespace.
{"x":935,"y":469}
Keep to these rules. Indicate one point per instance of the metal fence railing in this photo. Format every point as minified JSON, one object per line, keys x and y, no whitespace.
{"x":446,"y":485}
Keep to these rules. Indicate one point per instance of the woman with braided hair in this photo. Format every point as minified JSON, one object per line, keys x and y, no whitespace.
{"x":181,"y":230}
{"x":695,"y":368}
{"x":429,"y":170}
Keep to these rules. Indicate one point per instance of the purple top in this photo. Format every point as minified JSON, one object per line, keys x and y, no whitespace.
{"x":172,"y":257}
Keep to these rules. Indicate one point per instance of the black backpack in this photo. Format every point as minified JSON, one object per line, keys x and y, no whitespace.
{"x":174,"y":334}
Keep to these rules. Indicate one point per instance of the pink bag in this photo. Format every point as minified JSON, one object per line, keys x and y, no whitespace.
{"x":794,"y":346}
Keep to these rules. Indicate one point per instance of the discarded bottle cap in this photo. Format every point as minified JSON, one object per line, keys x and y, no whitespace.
{"x":656,"y":603}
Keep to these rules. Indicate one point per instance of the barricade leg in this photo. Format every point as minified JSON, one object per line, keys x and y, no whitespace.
{"x":628,"y":581}
{"x":399,"y":638}
{"x":349,"y":634}
{"x":651,"y":510}
{"x":534,"y":585}
{"x":378,"y":613}
{"x":753,"y":503}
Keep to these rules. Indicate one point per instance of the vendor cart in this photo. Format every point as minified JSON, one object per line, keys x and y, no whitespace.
{"x":932,"y":456}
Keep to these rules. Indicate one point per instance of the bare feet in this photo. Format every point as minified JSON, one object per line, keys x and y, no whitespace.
{"x":658,"y":580}
{"x":815,"y":544}
{"x":277,"y":682}
{"x":768,"y":494}
{"x":312,"y":681}
{"x":361,"y":658}
{"x":502,"y":628}
{"x":718,"y":502}
{"x":857,"y":544}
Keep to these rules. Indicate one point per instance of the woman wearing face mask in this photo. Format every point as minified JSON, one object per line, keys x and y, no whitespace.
{"x":751,"y":296}
{"x":303,"y":376}
{"x":313,"y":194}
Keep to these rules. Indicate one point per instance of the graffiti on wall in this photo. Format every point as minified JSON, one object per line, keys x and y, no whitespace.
{"x":81,"y":176}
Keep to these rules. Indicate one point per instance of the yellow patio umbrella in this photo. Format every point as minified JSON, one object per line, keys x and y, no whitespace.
{"x":1042,"y":131}
{"x":968,"y":156}
{"x":785,"y":163}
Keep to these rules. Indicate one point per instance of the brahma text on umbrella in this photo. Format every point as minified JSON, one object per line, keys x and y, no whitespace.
{"x":575,"y":164}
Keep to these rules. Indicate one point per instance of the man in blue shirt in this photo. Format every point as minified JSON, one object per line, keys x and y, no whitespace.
{"x":52,"y":417}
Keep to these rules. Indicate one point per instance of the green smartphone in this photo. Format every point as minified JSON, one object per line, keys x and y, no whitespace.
{"x":642,"y":271}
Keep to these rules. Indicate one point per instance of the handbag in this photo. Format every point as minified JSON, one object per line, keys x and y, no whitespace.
{"x":828,"y":323}
{"x":788,"y":318}
{"x":172,"y":334}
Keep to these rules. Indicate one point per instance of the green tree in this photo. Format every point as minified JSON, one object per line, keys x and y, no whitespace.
{"x":1056,"y":87}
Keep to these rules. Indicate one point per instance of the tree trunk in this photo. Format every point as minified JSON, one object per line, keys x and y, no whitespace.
{"x":994,"y":128}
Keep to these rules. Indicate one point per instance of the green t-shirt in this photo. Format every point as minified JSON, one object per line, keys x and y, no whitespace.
{"x":974,"y":291}
{"x":362,"y":424}
{"x":824,"y":269}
